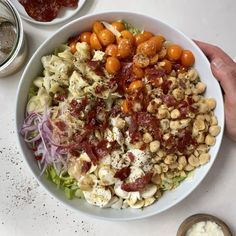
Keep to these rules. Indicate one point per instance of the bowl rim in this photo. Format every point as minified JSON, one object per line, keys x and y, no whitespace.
{"x":88,"y":214}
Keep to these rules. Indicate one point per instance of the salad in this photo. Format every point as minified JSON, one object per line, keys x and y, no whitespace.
{"x":118,"y":116}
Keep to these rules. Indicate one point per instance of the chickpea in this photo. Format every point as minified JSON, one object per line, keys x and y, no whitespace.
{"x":174,"y":124}
{"x":204,"y":158}
{"x":214,"y":120}
{"x":156,"y":178}
{"x":214,"y":130}
{"x":189,"y":167}
{"x":182,"y":160}
{"x":157,"y":169}
{"x":200,"y":137}
{"x":165,"y":124}
{"x":154,"y":146}
{"x":106,"y":37}
{"x":210,"y":140}
{"x":164,"y":167}
{"x":193,"y":161}
{"x":203,"y":107}
{"x":199,"y":124}
{"x":170,"y":159}
{"x":137,"y":107}
{"x":147,"y":138}
{"x":175,"y":114}
{"x":120,"y":123}
{"x":178,"y":93}
{"x":200,"y":87}
{"x":211,"y":102}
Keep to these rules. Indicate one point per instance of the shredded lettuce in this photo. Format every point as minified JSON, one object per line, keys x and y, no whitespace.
{"x":32,"y":92}
{"x":64,"y":182}
{"x":132,"y":29}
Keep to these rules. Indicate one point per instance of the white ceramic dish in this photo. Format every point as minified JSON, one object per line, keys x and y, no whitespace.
{"x":64,"y":14}
{"x":150,"y":24}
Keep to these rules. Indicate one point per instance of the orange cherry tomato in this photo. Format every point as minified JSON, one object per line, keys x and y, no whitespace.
{"x":127,"y":35}
{"x":138,"y":72}
{"x":141,"y":60}
{"x":159,"y":40}
{"x":85,"y":37}
{"x":97,"y":27}
{"x":187,"y":58}
{"x":167,"y":66}
{"x":112,"y":65}
{"x":147,"y":48}
{"x":119,"y":26}
{"x":124,"y":48}
{"x":94,"y":42}
{"x":142,"y":37}
{"x":174,"y":52}
{"x":106,"y":37}
{"x":125,"y":106}
{"x":136,"y":85}
{"x":73,"y":47}
{"x":112,"y":50}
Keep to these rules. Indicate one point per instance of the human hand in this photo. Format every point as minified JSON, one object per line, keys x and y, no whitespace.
{"x":224,"y":70}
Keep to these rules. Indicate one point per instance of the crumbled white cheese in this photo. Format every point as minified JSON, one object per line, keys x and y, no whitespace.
{"x":205,"y":228}
{"x":98,"y":55}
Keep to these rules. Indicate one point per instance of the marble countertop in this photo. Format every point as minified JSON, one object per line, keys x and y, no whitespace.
{"x":26,"y":208}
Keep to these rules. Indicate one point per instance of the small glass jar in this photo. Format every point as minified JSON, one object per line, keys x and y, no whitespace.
{"x":16,"y":54}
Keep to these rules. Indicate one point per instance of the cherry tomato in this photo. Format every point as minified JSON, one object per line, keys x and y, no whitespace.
{"x":94,"y":42}
{"x":167,"y":66}
{"x":112,"y":65}
{"x":127,"y":35}
{"x":119,"y":26}
{"x":136,"y":85}
{"x":125,"y":106}
{"x":187,"y":58}
{"x":138,"y":72}
{"x":159,"y":40}
{"x":174,"y":52}
{"x":85,"y":37}
{"x":97,"y":27}
{"x":141,"y":60}
{"x":124,"y":48}
{"x":142,"y":37}
{"x":73,"y":47}
{"x":147,"y":48}
{"x":106,"y":37}
{"x":112,"y":50}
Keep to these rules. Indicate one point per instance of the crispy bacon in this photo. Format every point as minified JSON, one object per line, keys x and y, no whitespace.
{"x":86,"y":165}
{"x":61,"y":125}
{"x":138,"y":185}
{"x":96,"y":67}
{"x":123,"y":173}
{"x":169,"y":100}
{"x":131,"y":156}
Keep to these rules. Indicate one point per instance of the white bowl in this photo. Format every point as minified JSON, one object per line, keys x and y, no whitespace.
{"x":34,"y":68}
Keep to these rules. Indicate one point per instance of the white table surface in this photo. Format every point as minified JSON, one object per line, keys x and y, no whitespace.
{"x":26,"y":209}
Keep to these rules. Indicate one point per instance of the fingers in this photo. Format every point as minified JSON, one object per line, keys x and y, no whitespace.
{"x":213,"y":52}
{"x":223,"y":67}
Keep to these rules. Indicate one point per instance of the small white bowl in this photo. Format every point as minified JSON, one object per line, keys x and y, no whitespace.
{"x":148,"y":23}
{"x":64,"y":14}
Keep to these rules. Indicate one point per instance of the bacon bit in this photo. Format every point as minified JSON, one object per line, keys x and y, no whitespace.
{"x":152,"y":74}
{"x":138,"y":185}
{"x":166,"y":86}
{"x":38,"y":158}
{"x":115,"y":111}
{"x":100,"y":89}
{"x":169,"y":100}
{"x":61,"y":125}
{"x":90,"y":152}
{"x":61,"y":96}
{"x":123,"y":173}
{"x":148,"y":121}
{"x":74,"y":152}
{"x":73,"y":39}
{"x":96,"y":67}
{"x":86,"y":165}
{"x":131,"y":156}
{"x":78,"y":107}
{"x":182,"y":84}
{"x":144,"y":146}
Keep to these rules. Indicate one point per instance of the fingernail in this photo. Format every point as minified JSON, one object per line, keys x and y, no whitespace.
{"x":218,"y":63}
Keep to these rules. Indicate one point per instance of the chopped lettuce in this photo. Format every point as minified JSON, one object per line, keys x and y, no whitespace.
{"x":64,"y":182}
{"x":132,"y":29}
{"x":32,"y":92}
